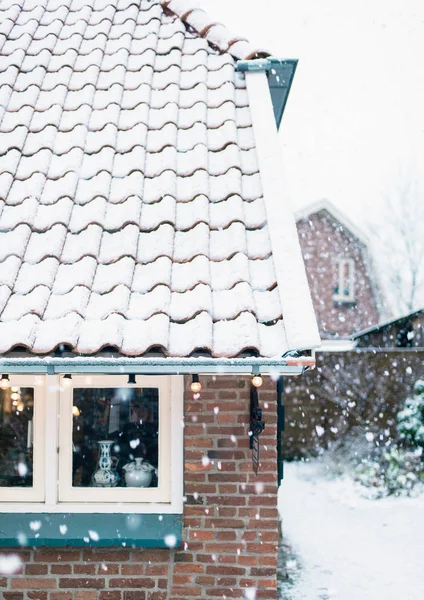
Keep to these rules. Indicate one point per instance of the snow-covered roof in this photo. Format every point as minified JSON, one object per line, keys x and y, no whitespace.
{"x":131,"y":205}
{"x":374,"y":328}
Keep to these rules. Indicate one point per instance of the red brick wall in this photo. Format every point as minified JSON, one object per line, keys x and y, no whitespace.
{"x":323,"y":240}
{"x":230,"y":534}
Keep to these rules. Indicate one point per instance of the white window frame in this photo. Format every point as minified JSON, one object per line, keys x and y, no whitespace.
{"x":56,"y":453}
{"x":341,"y":263}
{"x":36,"y":492}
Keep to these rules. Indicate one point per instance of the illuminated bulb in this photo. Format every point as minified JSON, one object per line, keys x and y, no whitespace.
{"x":196,"y":386}
{"x":15,"y":389}
{"x":4,"y":382}
{"x":15,"y":403}
{"x":20,"y":407}
{"x":76,"y":411}
{"x":257,"y":381}
{"x":67,"y":380}
{"x":15,"y":396}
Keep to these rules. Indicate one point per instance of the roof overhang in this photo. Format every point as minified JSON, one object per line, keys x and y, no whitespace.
{"x":280,"y":74}
{"x":164,"y":366}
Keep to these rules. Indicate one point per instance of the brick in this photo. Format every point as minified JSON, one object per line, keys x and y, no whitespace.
{"x":105,"y":555}
{"x":221,"y":570}
{"x":61,"y":595}
{"x":115,"y":595}
{"x":224,"y":593}
{"x":60,"y":569}
{"x":226,"y":581}
{"x":85,"y":595}
{"x":182,"y":579}
{"x":188,"y":568}
{"x":13,"y":596}
{"x":81,"y":582}
{"x":35,"y":569}
{"x":157,"y":596}
{"x":247,"y":560}
{"x":33,"y":583}
{"x":202,"y":535}
{"x":139,"y":582}
{"x":52,"y":556}
{"x":84,"y":569}
{"x":37,"y":595}
{"x":186,"y":591}
{"x":205,"y":580}
{"x":150,"y":555}
{"x":133,"y":569}
{"x":134,"y":595}
{"x":226,"y":535}
{"x":3,"y":582}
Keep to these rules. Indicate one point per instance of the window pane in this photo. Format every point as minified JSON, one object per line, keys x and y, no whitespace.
{"x":115,"y":437}
{"x":16,"y":436}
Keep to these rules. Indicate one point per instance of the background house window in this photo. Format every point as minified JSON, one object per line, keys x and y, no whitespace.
{"x":344,"y":290}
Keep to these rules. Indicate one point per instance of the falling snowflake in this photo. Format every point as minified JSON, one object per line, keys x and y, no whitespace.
{"x":170,"y":540}
{"x":10,"y":564}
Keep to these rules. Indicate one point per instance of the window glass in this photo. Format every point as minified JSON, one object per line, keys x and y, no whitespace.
{"x":16,"y":436}
{"x":115,"y":437}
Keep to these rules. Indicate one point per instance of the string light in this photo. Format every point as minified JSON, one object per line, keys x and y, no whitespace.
{"x":196,"y":386}
{"x":257,"y":380}
{"x":4,"y":382}
{"x":76,"y":411}
{"x":67,"y":380}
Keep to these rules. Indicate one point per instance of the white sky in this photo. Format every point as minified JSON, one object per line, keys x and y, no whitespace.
{"x":354,"y":121}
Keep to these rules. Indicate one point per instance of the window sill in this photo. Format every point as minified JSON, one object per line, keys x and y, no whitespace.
{"x":45,"y":529}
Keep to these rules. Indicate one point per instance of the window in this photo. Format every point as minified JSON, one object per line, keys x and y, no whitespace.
{"x":109,"y":442}
{"x":21,"y":440}
{"x":344,"y":291}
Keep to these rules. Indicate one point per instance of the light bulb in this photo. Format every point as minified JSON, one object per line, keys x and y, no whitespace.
{"x":195,"y":386}
{"x":4,"y":382}
{"x":15,"y":388}
{"x":20,"y":407}
{"x":15,"y":396}
{"x":67,"y":380}
{"x":257,"y":381}
{"x":76,"y":411}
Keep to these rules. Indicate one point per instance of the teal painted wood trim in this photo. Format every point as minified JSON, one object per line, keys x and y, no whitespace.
{"x":65,"y":529}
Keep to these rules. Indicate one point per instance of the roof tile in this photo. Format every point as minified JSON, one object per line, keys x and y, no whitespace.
{"x":133,"y":213}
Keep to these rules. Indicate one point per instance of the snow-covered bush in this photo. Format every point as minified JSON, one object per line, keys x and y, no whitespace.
{"x":410,"y":421}
{"x":394,"y":471}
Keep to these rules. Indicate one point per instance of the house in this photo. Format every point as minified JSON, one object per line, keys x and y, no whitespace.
{"x":341,"y":276}
{"x":406,"y":331}
{"x":347,"y":299}
{"x":151,"y":280}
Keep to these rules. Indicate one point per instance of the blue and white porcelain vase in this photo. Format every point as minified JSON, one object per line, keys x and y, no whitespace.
{"x":105,"y":476}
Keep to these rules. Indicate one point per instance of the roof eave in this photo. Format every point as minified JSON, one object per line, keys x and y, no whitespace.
{"x":166,"y":366}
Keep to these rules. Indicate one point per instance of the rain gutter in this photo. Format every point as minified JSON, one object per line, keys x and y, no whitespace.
{"x":166,"y":366}
{"x":280,"y":73}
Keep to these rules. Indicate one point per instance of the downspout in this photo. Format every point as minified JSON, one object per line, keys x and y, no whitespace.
{"x":280,"y":73}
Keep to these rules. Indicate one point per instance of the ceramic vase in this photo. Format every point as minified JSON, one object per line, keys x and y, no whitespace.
{"x":138,"y":473}
{"x":105,"y":476}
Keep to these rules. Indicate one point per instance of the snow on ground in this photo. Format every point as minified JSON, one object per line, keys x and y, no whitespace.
{"x":346,"y":547}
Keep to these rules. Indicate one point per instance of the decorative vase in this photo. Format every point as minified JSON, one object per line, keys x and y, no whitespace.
{"x":138,"y":473}
{"x":105,"y":476}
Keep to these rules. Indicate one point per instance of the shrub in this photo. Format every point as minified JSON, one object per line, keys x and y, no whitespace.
{"x":410,"y":421}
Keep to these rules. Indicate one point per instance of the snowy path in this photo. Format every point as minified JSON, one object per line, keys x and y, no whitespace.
{"x":350,"y":548}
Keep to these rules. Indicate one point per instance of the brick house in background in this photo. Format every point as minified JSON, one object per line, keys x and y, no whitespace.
{"x":347,"y":299}
{"x":343,"y":284}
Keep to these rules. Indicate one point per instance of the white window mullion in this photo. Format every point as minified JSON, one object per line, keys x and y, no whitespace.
{"x":51,"y":438}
